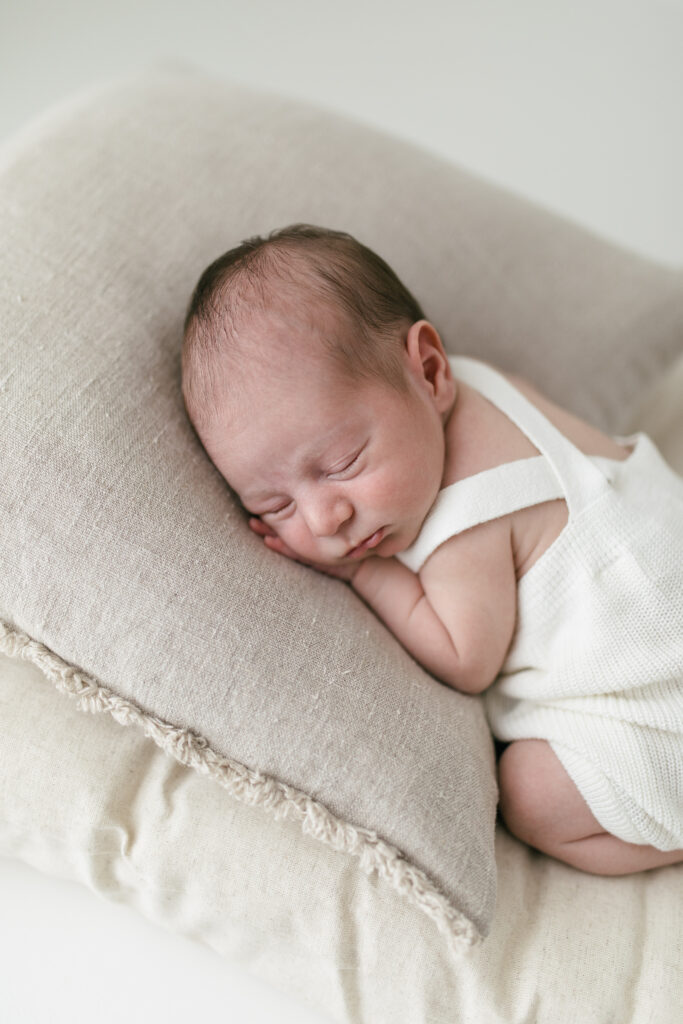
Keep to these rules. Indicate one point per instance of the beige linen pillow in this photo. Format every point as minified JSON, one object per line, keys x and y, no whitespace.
{"x":127,"y":570}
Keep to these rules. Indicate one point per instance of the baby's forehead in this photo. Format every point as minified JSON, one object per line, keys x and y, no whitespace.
{"x":283,"y":353}
{"x":291,"y":314}
{"x":284,"y":370}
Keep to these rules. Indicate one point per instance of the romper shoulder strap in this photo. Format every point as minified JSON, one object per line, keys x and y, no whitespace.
{"x":581,"y":480}
{"x":561,"y":471}
{"x":479,"y":498}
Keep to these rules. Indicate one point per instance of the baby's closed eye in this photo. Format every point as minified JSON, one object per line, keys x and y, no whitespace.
{"x":347,"y":464}
{"x":279,"y":510}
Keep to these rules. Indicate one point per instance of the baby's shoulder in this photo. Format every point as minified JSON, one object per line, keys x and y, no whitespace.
{"x":480,"y":436}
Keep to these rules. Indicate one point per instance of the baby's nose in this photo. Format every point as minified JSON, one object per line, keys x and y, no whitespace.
{"x":327,"y":515}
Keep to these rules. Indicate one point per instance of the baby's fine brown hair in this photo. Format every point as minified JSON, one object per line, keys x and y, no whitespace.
{"x":330,"y":267}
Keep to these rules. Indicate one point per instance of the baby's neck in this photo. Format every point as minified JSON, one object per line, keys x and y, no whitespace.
{"x":473,"y":441}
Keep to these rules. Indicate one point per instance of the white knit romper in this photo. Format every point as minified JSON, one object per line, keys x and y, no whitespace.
{"x":595,"y":666}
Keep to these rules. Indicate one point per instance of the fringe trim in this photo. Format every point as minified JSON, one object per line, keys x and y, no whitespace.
{"x":253,"y":788}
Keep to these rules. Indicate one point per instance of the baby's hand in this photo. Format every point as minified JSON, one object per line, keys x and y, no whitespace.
{"x":275,"y":543}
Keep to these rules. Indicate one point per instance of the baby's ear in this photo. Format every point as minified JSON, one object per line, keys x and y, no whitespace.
{"x":429,"y":363}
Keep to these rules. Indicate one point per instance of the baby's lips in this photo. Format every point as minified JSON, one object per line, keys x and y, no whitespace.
{"x":370,"y":542}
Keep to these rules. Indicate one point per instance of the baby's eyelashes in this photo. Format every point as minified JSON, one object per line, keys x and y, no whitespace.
{"x":345,"y":467}
{"x":268,"y":511}
{"x":279,"y":510}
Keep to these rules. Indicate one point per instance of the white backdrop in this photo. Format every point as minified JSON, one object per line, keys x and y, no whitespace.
{"x":574,"y":103}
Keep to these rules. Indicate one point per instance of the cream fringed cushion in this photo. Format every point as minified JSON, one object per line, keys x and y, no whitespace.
{"x":564,"y":947}
{"x":127,"y":571}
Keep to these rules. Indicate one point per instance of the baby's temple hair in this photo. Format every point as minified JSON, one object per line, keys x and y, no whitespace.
{"x":335,"y":270}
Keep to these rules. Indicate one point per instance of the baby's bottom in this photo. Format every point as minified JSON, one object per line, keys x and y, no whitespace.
{"x":541,"y":805}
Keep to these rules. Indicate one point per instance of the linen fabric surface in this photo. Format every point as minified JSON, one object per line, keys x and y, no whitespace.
{"x":89,"y":801}
{"x":127,"y":571}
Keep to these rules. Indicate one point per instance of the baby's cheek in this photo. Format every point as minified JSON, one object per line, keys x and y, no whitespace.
{"x":296,"y":536}
{"x":391,"y":489}
{"x":380,"y":487}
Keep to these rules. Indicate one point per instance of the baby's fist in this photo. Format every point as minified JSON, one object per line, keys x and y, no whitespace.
{"x":275,"y":543}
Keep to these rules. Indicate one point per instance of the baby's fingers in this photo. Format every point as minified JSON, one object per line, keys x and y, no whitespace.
{"x":276,"y":544}
{"x":258,"y":526}
{"x":270,"y":538}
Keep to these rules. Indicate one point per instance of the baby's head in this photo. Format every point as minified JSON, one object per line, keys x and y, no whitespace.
{"x":319,"y":390}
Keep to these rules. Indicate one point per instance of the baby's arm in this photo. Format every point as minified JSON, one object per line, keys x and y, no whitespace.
{"x":457,"y":618}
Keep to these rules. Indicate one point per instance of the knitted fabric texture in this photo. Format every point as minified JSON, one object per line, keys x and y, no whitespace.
{"x":595,"y":666}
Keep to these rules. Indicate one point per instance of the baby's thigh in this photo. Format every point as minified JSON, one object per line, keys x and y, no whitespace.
{"x":539,"y":802}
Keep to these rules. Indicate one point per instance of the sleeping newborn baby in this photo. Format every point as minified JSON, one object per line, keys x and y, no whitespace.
{"x":512,"y":548}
